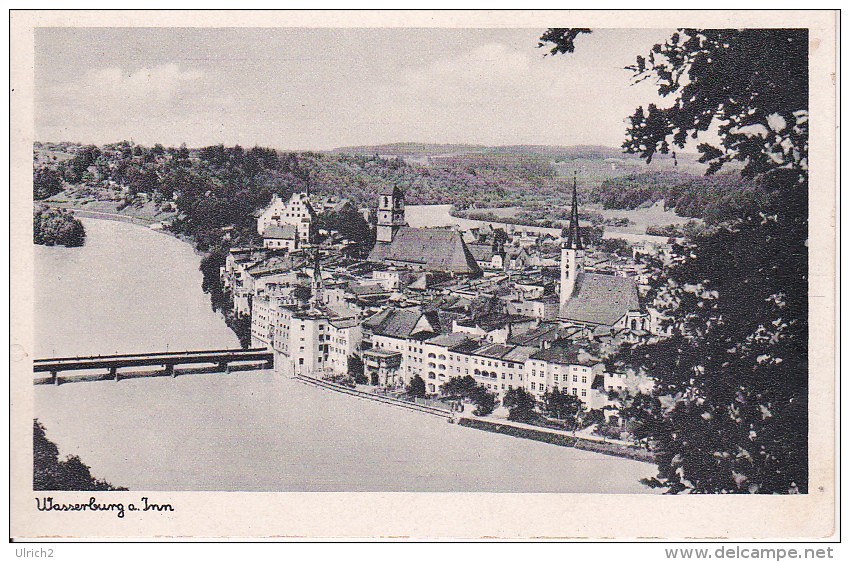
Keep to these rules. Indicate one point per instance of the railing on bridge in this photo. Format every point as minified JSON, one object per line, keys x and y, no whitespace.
{"x":220,"y":360}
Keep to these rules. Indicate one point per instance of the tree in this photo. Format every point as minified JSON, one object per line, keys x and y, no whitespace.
{"x":562,"y":406}
{"x":484,"y":400}
{"x":459,"y":387}
{"x":521,"y":405}
{"x":416,"y":387}
{"x":733,"y":377}
{"x":49,"y":473}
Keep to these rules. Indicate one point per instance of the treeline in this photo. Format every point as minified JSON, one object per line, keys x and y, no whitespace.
{"x":50,"y":473}
{"x":52,"y":227}
{"x":714,"y":198}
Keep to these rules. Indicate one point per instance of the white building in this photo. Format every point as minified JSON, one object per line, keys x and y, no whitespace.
{"x":296,"y":212}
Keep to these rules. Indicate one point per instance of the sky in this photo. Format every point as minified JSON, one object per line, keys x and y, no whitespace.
{"x":318,"y":89}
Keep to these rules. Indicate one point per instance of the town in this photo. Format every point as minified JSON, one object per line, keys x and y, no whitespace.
{"x":510,"y":308}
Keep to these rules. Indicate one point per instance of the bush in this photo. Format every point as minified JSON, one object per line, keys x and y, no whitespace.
{"x":57,"y":227}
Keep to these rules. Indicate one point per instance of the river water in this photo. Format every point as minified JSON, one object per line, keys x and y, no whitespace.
{"x":130,"y":289}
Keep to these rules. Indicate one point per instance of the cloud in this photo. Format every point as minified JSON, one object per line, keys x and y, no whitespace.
{"x":113,"y":94}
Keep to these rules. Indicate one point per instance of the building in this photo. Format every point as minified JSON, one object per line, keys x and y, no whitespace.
{"x":315,"y":341}
{"x":297,"y":212}
{"x":568,"y":367}
{"x":427,"y":249}
{"x":390,"y":214}
{"x":419,"y":249}
{"x":281,"y":237}
{"x":594,"y":300}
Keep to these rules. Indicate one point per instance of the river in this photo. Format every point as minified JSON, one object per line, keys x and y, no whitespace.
{"x":130,"y":289}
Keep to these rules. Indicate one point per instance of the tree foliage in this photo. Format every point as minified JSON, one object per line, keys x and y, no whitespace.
{"x":521,"y":405}
{"x":732,"y":378}
{"x":562,"y":406}
{"x":484,"y":400}
{"x":53,"y":226}
{"x":50,"y":473}
{"x":459,"y":387}
{"x":416,"y":387}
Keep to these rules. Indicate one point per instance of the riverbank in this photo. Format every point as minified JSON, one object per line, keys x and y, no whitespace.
{"x":559,"y":438}
{"x":425,"y":409}
{"x":513,"y":429}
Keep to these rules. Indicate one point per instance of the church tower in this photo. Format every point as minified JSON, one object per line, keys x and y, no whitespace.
{"x":572,"y":253}
{"x":390,"y":213}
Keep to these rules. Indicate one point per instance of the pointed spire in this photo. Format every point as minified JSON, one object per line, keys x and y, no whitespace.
{"x":574,"y":236}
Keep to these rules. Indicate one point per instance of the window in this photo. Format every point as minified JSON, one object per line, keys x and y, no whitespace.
{"x":503,"y":376}
{"x":477,"y":372}
{"x":442,"y":357}
{"x":584,"y":392}
{"x":520,"y":377}
{"x":533,"y":386}
{"x":431,"y":356}
{"x":575,"y":378}
{"x":432,"y":365}
{"x":503,"y":387}
{"x":575,"y":391}
{"x":432,"y":376}
{"x":533,"y":372}
{"x":583,"y":379}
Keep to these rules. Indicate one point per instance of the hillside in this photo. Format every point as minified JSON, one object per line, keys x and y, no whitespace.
{"x":217,"y":186}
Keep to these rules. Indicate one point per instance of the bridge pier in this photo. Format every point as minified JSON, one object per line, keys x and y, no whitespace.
{"x":113,"y":372}
{"x":54,"y":377}
{"x":169,"y":370}
{"x":224,"y":366}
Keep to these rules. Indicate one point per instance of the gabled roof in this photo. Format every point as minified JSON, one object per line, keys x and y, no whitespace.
{"x":483,"y":253}
{"x":492,"y":322}
{"x":600,"y":299}
{"x":449,"y":340}
{"x":434,"y":249}
{"x":403,"y":323}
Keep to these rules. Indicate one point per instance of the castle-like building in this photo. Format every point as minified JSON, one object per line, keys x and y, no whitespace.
{"x":287,"y":224}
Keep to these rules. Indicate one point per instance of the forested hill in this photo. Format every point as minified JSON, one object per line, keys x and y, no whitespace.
{"x":217,"y":186}
{"x":712,"y":198}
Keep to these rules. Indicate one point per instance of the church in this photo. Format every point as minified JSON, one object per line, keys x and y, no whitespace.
{"x":594,"y":301}
{"x":437,"y":250}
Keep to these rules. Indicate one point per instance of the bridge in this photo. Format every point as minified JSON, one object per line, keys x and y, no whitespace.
{"x":106,"y":367}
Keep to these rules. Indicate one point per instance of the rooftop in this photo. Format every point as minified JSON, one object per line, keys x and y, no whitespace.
{"x":600,"y":299}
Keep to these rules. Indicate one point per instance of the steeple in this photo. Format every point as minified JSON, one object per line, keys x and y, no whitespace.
{"x":572,"y":253}
{"x":574,"y":236}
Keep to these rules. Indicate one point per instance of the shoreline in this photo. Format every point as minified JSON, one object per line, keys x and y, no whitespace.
{"x":514,"y":429}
